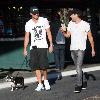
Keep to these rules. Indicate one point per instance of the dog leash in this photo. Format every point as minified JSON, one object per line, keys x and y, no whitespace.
{"x":25,"y":60}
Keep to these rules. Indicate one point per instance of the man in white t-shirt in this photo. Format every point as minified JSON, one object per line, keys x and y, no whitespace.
{"x":37,"y":28}
{"x":78,"y":30}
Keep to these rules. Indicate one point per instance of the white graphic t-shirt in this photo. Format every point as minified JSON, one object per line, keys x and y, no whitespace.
{"x":78,"y":34}
{"x":38,"y":32}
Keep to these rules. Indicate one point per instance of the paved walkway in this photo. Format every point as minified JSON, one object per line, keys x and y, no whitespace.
{"x":60,"y":89}
{"x":52,"y":73}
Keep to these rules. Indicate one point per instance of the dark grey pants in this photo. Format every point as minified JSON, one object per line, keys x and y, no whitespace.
{"x":77,"y":56}
{"x":59,"y":52}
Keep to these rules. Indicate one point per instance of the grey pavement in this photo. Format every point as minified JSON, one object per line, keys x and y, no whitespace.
{"x":27,"y":73}
{"x":60,"y":89}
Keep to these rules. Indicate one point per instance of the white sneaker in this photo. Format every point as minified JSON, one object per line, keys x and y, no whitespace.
{"x":46,"y":84}
{"x":39,"y":87}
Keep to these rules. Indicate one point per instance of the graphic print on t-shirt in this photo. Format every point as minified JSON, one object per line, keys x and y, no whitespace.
{"x":37,"y":33}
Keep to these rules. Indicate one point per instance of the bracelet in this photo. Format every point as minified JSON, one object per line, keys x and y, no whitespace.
{"x":51,"y":45}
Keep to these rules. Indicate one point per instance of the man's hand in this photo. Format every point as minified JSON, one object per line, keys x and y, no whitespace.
{"x":93,"y":53}
{"x":25,"y":53}
{"x":51,"y":49}
{"x":65,"y":33}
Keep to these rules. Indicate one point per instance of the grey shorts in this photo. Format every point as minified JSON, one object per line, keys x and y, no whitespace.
{"x":38,"y":59}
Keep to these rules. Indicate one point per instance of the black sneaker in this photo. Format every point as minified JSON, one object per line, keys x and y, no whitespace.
{"x":59,"y":77}
{"x":84,"y":85}
{"x":57,"y":68}
{"x":77,"y":89}
{"x":62,"y":69}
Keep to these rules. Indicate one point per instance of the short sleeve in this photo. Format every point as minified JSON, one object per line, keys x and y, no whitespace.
{"x":26,"y":27}
{"x":87,"y":27}
{"x":46,"y":24}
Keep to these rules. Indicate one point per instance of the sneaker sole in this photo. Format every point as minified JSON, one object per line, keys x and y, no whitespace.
{"x":83,"y":88}
{"x":48,"y":89}
{"x":39,"y":90}
{"x":77,"y":91}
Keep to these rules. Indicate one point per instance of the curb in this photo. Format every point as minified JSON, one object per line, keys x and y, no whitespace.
{"x":50,"y":76}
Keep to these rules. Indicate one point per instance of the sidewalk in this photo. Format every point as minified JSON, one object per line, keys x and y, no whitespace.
{"x":60,"y":89}
{"x":29,"y":77}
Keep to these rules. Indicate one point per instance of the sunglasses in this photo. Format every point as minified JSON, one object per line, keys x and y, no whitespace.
{"x":35,"y":13}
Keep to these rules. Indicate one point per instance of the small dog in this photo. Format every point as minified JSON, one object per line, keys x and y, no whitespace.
{"x":16,"y":82}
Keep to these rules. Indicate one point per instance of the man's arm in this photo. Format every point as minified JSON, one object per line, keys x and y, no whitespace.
{"x":65,"y":33}
{"x":50,"y":39}
{"x":68,"y":34}
{"x":26,"y":41}
{"x":90,"y":37}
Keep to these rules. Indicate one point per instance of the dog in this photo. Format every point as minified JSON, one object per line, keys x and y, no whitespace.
{"x":16,"y":82}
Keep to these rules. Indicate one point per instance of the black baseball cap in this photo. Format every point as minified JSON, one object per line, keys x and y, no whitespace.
{"x":75,"y":11}
{"x":34,"y":10}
